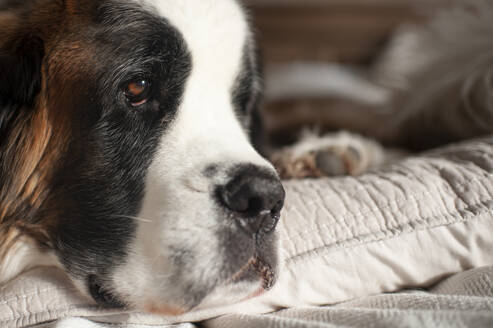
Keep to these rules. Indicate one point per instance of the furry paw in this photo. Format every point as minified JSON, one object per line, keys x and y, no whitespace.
{"x":329,"y":155}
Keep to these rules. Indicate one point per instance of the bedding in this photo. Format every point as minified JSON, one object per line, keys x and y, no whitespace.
{"x":346,"y":242}
{"x":464,"y":300}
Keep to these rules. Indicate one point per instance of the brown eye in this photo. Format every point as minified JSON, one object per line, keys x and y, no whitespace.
{"x":138,"y":92}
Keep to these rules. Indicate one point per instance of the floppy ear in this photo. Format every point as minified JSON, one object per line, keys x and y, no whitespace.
{"x":21,"y":55}
{"x":20,"y":69}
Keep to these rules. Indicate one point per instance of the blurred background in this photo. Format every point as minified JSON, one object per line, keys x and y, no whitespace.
{"x":324,"y":34}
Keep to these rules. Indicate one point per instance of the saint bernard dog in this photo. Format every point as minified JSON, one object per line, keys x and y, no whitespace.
{"x":130,"y":141}
{"x":127,"y":151}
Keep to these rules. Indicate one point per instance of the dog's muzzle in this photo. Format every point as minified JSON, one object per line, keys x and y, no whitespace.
{"x":248,"y":200}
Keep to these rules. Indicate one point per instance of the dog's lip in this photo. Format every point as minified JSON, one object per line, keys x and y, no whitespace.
{"x":265,"y":271}
{"x":237,"y":276}
{"x":255,"y":264}
{"x":259,"y":292}
{"x":261,"y":267}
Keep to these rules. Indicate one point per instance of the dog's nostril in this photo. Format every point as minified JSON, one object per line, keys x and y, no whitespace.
{"x":255,"y":205}
{"x":277,"y":209}
{"x":257,"y":196}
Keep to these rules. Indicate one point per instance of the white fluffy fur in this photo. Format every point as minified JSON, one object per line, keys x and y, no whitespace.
{"x":206,"y":131}
{"x":371,"y":154}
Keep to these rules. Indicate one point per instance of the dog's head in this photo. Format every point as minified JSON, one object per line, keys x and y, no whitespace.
{"x":126,"y":148}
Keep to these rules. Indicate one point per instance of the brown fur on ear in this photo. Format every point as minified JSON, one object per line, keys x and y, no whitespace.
{"x":29,"y":156}
{"x":37,"y":79}
{"x":32,"y":137}
{"x":8,"y":22}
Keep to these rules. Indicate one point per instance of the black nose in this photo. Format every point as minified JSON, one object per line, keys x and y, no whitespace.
{"x":256,"y":196}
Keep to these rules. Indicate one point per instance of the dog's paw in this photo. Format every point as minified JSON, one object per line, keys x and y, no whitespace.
{"x":329,"y":155}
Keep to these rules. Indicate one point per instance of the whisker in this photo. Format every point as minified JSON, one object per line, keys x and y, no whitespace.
{"x":133,"y":218}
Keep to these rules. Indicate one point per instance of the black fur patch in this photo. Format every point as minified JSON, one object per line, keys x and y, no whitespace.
{"x":100,"y":187}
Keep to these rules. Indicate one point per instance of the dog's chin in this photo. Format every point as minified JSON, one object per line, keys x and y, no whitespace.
{"x":254,"y":278}
{"x":253,"y":281}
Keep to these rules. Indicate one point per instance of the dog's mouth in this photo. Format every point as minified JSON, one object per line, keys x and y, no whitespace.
{"x":265,"y":271}
{"x":251,"y":276}
{"x":256,"y":266}
{"x":252,"y":280}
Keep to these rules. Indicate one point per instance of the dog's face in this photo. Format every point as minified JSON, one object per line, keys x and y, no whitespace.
{"x":147,"y":186}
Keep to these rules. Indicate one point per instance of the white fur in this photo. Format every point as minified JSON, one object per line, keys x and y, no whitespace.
{"x":24,"y":255}
{"x":371,"y":154}
{"x":206,"y":131}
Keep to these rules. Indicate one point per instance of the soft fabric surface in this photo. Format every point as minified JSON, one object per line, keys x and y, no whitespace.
{"x":410,"y":224}
{"x":465,"y":300}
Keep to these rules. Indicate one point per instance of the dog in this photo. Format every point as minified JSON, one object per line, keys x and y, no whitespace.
{"x":131,"y":142}
{"x":127,"y":151}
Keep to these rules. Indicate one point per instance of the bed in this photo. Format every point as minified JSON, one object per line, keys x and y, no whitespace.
{"x":409,"y":244}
